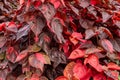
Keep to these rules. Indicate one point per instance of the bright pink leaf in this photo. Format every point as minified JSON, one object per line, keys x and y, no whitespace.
{"x":21,"y":55}
{"x":113,"y":66}
{"x":94,"y":62}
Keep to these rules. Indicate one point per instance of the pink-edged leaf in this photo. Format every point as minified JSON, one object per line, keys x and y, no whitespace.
{"x":34,"y":62}
{"x":107,"y":45}
{"x":11,"y":54}
{"x":113,"y":66}
{"x":94,"y":62}
{"x":43,"y":58}
{"x":21,"y":55}
{"x":77,"y":53}
{"x":68,"y":71}
{"x":80,"y":71}
{"x":99,"y":76}
{"x":61,"y":78}
{"x":104,"y":33}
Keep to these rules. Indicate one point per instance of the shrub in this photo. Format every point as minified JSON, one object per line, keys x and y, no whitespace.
{"x":59,"y":39}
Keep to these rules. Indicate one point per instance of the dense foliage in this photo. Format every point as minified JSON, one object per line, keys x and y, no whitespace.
{"x":59,"y":39}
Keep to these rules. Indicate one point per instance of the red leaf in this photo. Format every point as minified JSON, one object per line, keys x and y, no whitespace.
{"x":2,"y":25}
{"x":107,"y":45}
{"x":94,"y":2}
{"x":99,"y":76}
{"x":113,"y":66}
{"x":68,"y":71}
{"x":56,"y":3}
{"x":61,"y":78}
{"x":94,"y":62}
{"x":77,"y":53}
{"x":80,"y":71}
{"x":21,"y":55}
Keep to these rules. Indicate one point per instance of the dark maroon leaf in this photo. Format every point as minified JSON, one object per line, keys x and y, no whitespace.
{"x":86,"y":23}
{"x":57,"y":57}
{"x":2,"y":41}
{"x":89,"y":33}
{"x":39,"y":24}
{"x":57,"y":28}
{"x":23,"y":32}
{"x":107,"y":45}
{"x":115,"y":44}
{"x":48,"y":11}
